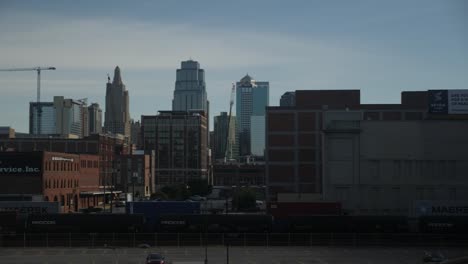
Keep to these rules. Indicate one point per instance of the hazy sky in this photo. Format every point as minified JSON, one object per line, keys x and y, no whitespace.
{"x":379,"y":47}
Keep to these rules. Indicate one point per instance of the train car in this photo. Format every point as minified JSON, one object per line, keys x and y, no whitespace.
{"x":218,"y":223}
{"x":340,"y":224}
{"x":443,"y":224}
{"x":8,"y":222}
{"x":86,"y":223}
{"x":379,"y":224}
{"x":152,"y":210}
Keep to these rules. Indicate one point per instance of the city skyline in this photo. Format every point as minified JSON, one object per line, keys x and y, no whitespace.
{"x":360,"y":45}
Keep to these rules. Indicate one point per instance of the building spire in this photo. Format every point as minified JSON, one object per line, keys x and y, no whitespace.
{"x":117,"y":77}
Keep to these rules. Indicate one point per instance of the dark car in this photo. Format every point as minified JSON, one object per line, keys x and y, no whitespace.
{"x":155,"y":258}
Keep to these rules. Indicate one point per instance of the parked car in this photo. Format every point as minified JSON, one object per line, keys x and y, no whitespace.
{"x":433,"y":257}
{"x":155,"y":258}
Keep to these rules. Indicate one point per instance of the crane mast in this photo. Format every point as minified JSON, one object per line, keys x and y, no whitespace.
{"x":38,"y":95}
{"x":228,"y":144}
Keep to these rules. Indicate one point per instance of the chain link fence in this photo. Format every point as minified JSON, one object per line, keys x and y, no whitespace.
{"x":99,"y":240}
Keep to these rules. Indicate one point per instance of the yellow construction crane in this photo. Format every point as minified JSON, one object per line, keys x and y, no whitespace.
{"x":228,"y":144}
{"x":38,"y":70}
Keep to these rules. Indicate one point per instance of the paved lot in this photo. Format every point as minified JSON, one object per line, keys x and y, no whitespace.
{"x":217,"y":255}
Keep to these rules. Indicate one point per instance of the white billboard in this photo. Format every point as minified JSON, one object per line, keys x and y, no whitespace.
{"x":458,"y":101}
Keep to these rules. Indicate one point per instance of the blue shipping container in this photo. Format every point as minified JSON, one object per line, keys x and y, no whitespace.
{"x":154,"y":209}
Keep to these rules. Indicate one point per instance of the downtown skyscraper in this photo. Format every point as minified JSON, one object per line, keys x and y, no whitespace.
{"x":117,"y":114}
{"x":190,"y":88}
{"x":190,"y":91}
{"x":252,"y":97}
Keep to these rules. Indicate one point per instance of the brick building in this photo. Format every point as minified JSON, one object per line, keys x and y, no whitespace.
{"x":107,"y":147}
{"x":59,"y":177}
{"x":298,"y":137}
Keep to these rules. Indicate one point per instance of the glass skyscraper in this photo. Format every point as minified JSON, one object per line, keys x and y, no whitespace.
{"x":252,"y":97}
{"x":47,"y":118}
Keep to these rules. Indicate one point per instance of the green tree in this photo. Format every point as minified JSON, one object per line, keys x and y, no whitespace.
{"x":244,"y":199}
{"x":199,"y":187}
{"x":159,"y":195}
{"x":176,"y":192}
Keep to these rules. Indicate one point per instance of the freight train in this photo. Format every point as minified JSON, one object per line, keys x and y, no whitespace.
{"x":237,"y":223}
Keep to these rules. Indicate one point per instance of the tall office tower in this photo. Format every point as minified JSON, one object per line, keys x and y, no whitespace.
{"x":288,"y":99}
{"x":179,"y":139}
{"x":85,"y":118}
{"x":94,"y":119}
{"x":190,"y":90}
{"x":135,"y":133}
{"x":221,"y":134}
{"x":68,"y":116}
{"x":47,"y":118}
{"x":117,"y":114}
{"x":252,"y":97}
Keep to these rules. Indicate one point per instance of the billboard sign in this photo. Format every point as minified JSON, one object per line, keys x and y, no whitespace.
{"x":20,"y":163}
{"x":443,"y":208}
{"x":448,"y":101}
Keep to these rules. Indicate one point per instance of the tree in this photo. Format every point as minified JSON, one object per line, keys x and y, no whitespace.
{"x":199,"y":187}
{"x":158,"y":195}
{"x":176,"y":192}
{"x":244,"y":199}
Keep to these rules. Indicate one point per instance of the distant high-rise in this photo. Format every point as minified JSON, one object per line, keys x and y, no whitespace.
{"x":94,"y":119}
{"x":47,"y":118}
{"x":117,"y":114}
{"x":136,"y":133}
{"x":251,"y":100}
{"x":220,"y":134}
{"x":288,"y":99}
{"x":65,"y":117}
{"x":190,"y":90}
{"x":69,"y":117}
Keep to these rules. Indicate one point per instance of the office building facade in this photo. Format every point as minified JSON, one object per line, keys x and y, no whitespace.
{"x":221,"y":134}
{"x":179,"y":139}
{"x":252,"y":97}
{"x":94,"y":119}
{"x":117,"y":113}
{"x":47,"y":118}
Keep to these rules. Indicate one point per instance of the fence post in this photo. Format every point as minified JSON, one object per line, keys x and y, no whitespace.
{"x":24,"y":239}
{"x":355,"y":239}
{"x":69,"y":240}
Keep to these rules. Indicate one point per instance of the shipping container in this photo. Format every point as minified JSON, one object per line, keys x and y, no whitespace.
{"x":217,"y":223}
{"x":287,"y":209}
{"x":86,"y":223}
{"x":152,"y":210}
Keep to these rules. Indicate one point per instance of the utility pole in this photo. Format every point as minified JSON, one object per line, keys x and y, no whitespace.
{"x":38,"y":96}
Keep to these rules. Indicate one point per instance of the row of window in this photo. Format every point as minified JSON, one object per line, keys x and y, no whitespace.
{"x":60,"y":166}
{"x":63,"y":183}
{"x":89,"y":164}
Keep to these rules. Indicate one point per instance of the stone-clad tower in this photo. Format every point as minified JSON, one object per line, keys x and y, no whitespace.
{"x":117,"y":115}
